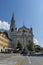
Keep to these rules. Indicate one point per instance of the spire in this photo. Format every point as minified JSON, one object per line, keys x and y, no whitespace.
{"x":23,"y":24}
{"x":12,"y":20}
{"x":12,"y":25}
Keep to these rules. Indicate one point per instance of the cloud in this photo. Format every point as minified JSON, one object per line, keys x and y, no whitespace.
{"x":35,"y":41}
{"x":4,"y":25}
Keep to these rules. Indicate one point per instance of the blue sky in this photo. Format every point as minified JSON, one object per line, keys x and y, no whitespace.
{"x":28,"y":11}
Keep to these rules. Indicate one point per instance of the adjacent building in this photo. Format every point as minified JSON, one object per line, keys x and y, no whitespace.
{"x":4,"y":40}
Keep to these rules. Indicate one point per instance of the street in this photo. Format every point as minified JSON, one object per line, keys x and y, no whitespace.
{"x":16,"y":59}
{"x":33,"y":61}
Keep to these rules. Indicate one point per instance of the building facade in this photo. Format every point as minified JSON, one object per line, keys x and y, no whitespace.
{"x":23,"y":34}
{"x":4,"y":40}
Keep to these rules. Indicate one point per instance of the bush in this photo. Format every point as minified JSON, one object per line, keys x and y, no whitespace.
{"x":30,"y":45}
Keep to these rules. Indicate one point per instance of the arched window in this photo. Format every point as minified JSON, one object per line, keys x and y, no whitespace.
{"x":12,"y":30}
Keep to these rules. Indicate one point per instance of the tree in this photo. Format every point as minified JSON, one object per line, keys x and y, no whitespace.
{"x":37,"y":48}
{"x":30,"y":45}
{"x":19,"y":45}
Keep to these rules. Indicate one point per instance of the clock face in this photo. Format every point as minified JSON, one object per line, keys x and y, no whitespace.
{"x":12,"y":29}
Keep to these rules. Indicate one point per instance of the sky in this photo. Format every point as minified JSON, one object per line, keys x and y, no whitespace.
{"x":29,"y":12}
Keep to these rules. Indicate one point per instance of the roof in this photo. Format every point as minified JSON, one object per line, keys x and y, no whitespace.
{"x":5,"y":33}
{"x":24,"y":27}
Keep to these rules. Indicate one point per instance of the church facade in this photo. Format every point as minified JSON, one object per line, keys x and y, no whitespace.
{"x":23,"y":34}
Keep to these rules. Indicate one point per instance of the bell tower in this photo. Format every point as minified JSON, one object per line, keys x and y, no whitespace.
{"x":13,"y":30}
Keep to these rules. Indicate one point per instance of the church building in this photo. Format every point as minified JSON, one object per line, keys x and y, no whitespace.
{"x":22,"y":34}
